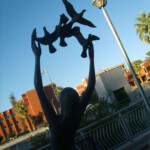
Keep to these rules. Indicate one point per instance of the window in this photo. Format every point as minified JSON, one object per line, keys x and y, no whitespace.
{"x":16,"y":122}
{"x":13,"y":115}
{"x":130,"y":76}
{"x":1,"y":119}
{"x":148,"y":68}
{"x":19,"y":130}
{"x":10,"y":125}
{"x":121,"y":95}
{"x":4,"y":127}
{"x":7,"y":117}
{"x":132,"y":84}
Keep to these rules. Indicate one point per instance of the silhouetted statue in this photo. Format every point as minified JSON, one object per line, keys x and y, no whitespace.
{"x":63,"y":19}
{"x":48,"y":38}
{"x":64,"y":30}
{"x":63,"y":127}
{"x":85,"y":42}
{"x":77,"y":17}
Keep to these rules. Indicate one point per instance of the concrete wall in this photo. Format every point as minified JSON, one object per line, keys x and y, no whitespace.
{"x":112,"y":80}
{"x":100,"y":88}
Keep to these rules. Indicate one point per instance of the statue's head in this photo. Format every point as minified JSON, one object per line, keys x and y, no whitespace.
{"x":69,"y":101}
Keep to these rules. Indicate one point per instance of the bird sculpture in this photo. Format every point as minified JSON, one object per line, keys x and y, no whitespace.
{"x":84,"y":42}
{"x":65,"y":30}
{"x":48,"y":39}
{"x":76,"y":17}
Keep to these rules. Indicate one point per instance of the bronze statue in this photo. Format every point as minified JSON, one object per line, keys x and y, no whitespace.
{"x":64,"y":30}
{"x":48,"y":39}
{"x":85,"y":42}
{"x":77,"y":17}
{"x":63,"y":127}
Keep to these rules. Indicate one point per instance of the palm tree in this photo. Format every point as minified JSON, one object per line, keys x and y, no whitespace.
{"x":12,"y":99}
{"x":58,"y":90}
{"x":147,"y":55}
{"x":143,"y":27}
{"x":13,"y":102}
{"x":22,"y":111}
{"x":137,"y":68}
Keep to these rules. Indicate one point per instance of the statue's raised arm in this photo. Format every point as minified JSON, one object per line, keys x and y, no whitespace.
{"x":47,"y":108}
{"x":84,"y":100}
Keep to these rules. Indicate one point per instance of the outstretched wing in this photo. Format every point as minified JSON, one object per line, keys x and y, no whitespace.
{"x":69,"y":8}
{"x":42,"y":40}
{"x":94,"y":37}
{"x":87,"y":43}
{"x":86,"y":22}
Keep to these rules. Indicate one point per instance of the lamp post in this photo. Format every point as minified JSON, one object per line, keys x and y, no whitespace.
{"x":45,"y":70}
{"x":101,"y":4}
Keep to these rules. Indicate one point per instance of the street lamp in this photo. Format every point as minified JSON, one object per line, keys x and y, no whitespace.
{"x":101,"y":4}
{"x":45,"y":70}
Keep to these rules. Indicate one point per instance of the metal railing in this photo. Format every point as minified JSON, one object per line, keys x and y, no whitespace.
{"x":116,"y":129}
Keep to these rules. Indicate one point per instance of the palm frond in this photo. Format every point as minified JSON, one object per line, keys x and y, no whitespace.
{"x":143,"y":27}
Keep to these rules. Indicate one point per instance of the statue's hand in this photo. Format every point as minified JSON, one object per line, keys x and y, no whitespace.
{"x":91,"y":51}
{"x":36,"y":49}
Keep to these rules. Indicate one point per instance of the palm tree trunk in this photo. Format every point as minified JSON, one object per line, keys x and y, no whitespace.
{"x":28,"y":124}
{"x":21,"y":120}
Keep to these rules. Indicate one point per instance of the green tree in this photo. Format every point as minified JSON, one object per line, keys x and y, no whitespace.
{"x":101,"y":108}
{"x":22,"y":111}
{"x":58,"y":90}
{"x":13,"y":102}
{"x":147,"y":55}
{"x":11,"y":134}
{"x":94,"y":97}
{"x":137,"y":67}
{"x":12,"y":99}
{"x":39,"y":141}
{"x":37,"y":120}
{"x":143,"y":27}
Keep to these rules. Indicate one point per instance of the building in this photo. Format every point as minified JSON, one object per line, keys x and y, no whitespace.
{"x":81,"y":87}
{"x":110,"y":80}
{"x":10,"y":122}
{"x":113,"y":81}
{"x":143,"y":76}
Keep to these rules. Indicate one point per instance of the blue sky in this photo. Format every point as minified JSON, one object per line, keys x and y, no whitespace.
{"x":18,"y":18}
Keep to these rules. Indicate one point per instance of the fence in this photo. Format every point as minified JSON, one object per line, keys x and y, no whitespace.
{"x":116,"y":129}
